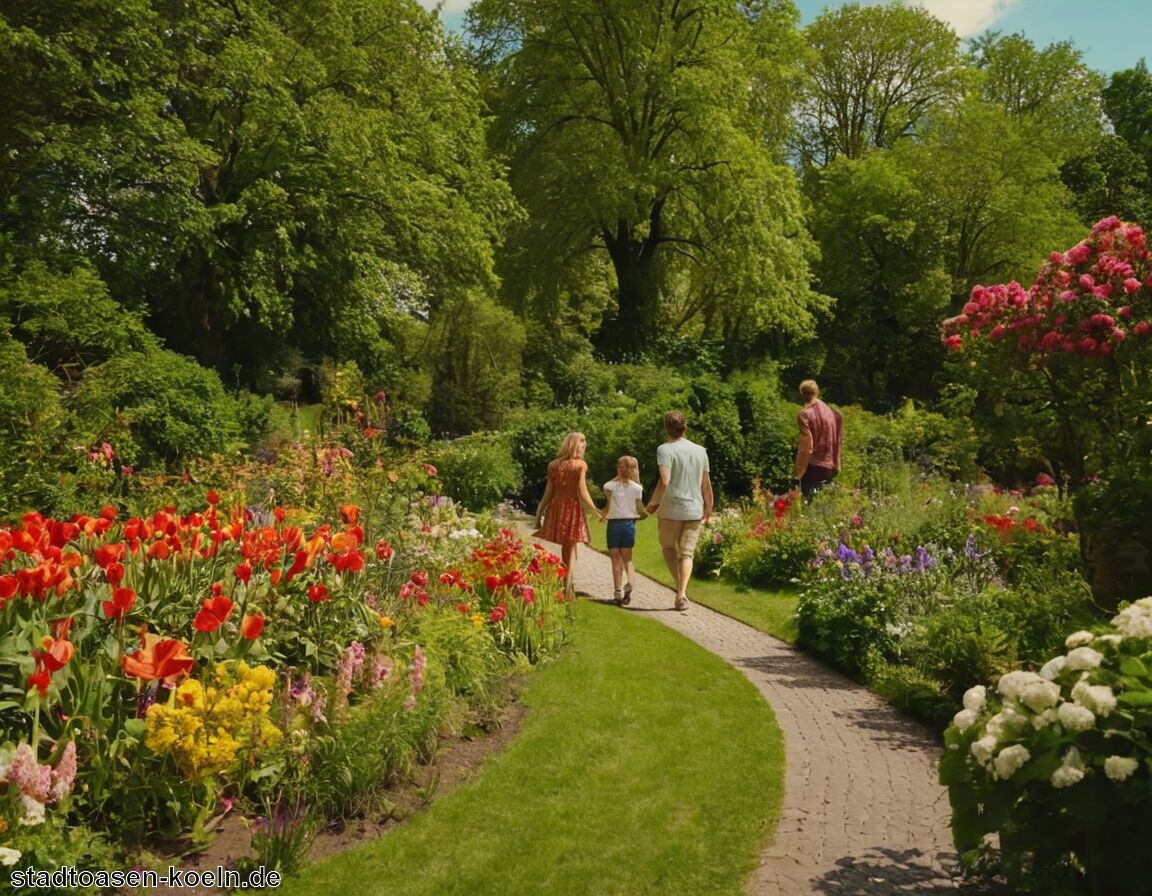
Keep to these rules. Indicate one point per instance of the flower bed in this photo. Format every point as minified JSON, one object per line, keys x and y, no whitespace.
{"x":157,"y":670}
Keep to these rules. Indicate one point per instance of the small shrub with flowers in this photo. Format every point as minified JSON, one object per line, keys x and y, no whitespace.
{"x":1068,"y":357}
{"x":1050,"y":776}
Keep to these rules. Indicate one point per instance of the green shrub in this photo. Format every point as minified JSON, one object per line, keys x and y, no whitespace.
{"x":477,"y":470}
{"x":156,"y":408}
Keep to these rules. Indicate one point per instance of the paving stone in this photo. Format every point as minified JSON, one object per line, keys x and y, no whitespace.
{"x":863,"y":814}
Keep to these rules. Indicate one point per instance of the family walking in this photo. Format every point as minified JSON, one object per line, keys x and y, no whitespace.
{"x":682,"y":499}
{"x":682,"y":502}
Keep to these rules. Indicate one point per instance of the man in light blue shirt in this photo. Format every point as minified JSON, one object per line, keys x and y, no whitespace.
{"x":684,"y":500}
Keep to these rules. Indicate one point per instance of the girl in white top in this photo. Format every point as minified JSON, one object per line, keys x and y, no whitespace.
{"x":625,"y":506}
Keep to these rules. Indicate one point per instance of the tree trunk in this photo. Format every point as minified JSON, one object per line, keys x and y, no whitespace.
{"x":624,"y":337}
{"x":1118,"y":562}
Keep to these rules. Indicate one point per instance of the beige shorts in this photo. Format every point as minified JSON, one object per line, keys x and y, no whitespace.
{"x":681,"y":535}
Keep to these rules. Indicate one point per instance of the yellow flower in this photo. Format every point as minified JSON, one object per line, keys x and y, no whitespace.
{"x":477,"y":621}
{"x":385,"y":622}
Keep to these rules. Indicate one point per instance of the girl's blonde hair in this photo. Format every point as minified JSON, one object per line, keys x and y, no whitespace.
{"x":571,"y":447}
{"x":630,"y":466}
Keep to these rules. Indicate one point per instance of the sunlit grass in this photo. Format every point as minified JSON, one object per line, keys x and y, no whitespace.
{"x":645,"y":766}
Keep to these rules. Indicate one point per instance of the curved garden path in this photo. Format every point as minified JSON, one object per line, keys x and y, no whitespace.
{"x":863,"y":814}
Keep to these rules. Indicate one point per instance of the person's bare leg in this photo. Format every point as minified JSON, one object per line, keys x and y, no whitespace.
{"x":617,"y":567}
{"x":673,"y":562}
{"x":684,"y":576}
{"x":629,"y":566}
{"x":568,"y":557}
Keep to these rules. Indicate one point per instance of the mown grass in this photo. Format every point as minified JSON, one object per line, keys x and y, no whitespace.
{"x":767,"y":611}
{"x":646,"y":765}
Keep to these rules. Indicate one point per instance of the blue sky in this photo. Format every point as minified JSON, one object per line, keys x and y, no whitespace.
{"x":1111,"y":34}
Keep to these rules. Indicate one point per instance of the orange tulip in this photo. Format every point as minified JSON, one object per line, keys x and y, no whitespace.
{"x":164,"y":658}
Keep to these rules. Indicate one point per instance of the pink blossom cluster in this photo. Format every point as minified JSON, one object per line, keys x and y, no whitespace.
{"x":1086,"y":301}
{"x":39,"y":784}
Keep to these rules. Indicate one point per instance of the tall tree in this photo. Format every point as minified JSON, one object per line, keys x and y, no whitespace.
{"x":649,"y":135}
{"x":256,"y":176}
{"x":875,"y":74}
{"x":1052,"y":92}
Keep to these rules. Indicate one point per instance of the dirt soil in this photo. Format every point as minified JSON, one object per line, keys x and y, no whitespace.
{"x":456,"y":761}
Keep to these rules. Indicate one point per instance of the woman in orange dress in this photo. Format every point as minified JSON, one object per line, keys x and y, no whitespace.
{"x":560,"y":514}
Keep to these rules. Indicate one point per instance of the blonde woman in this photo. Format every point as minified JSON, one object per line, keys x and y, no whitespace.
{"x":625,"y":506}
{"x":560,"y":514}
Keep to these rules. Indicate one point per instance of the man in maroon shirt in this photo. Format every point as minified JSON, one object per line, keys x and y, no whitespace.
{"x":821,"y":438}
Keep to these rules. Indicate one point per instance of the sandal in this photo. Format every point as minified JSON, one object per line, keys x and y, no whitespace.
{"x":627,"y":598}
{"x":681,"y":604}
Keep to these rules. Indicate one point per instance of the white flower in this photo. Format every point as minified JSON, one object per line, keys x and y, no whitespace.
{"x":1071,"y":771}
{"x":1010,"y":759}
{"x":1066,"y":776}
{"x":1135,"y":621}
{"x":1075,"y":717}
{"x":1097,"y":697}
{"x":964,"y":719}
{"x":1078,"y":639}
{"x":33,"y":810}
{"x":1053,"y":667}
{"x":1083,"y":658}
{"x":975,"y":698}
{"x":1118,"y":768}
{"x":982,"y":749}
{"x":1044,"y":719}
{"x":1005,"y":723}
{"x":9,"y":856}
{"x":1110,"y":640}
{"x":1030,"y":689}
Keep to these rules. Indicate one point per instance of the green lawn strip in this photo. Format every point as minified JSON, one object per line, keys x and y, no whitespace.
{"x":766,"y":611}
{"x":645,"y":765}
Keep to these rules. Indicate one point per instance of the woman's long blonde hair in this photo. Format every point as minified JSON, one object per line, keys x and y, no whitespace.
{"x":629,"y":467}
{"x":571,"y":447}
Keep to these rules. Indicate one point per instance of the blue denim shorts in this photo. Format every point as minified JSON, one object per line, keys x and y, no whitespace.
{"x":621,"y":533}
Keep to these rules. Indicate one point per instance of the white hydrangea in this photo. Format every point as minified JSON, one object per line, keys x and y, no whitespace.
{"x":1084,"y":658}
{"x":965,"y":719}
{"x":1097,"y":697}
{"x":1030,"y":689}
{"x":1065,"y":776}
{"x":1118,"y":768}
{"x":1044,"y":719}
{"x":983,"y":749}
{"x":1135,"y":621}
{"x":1053,"y":667}
{"x":1075,"y":717}
{"x":1005,"y":723}
{"x":1078,"y":639}
{"x":1110,"y":640}
{"x":1010,"y":760}
{"x":975,"y":698}
{"x":9,"y":856}
{"x":1071,"y":770}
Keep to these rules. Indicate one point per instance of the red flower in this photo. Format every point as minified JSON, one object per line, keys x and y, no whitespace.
{"x":350,"y":513}
{"x":318,"y":593}
{"x":121,"y":603}
{"x":493,"y":582}
{"x":498,"y":613}
{"x":349,"y":561}
{"x":420,"y":578}
{"x":213,"y":497}
{"x":214,"y":612}
{"x":244,"y":572}
{"x":251,"y":626}
{"x":383,"y":550}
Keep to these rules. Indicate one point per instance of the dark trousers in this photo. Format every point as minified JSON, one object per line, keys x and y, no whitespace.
{"x":814,"y":477}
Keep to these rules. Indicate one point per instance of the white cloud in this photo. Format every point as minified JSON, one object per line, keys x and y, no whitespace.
{"x":969,"y":17}
{"x":451,"y":7}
